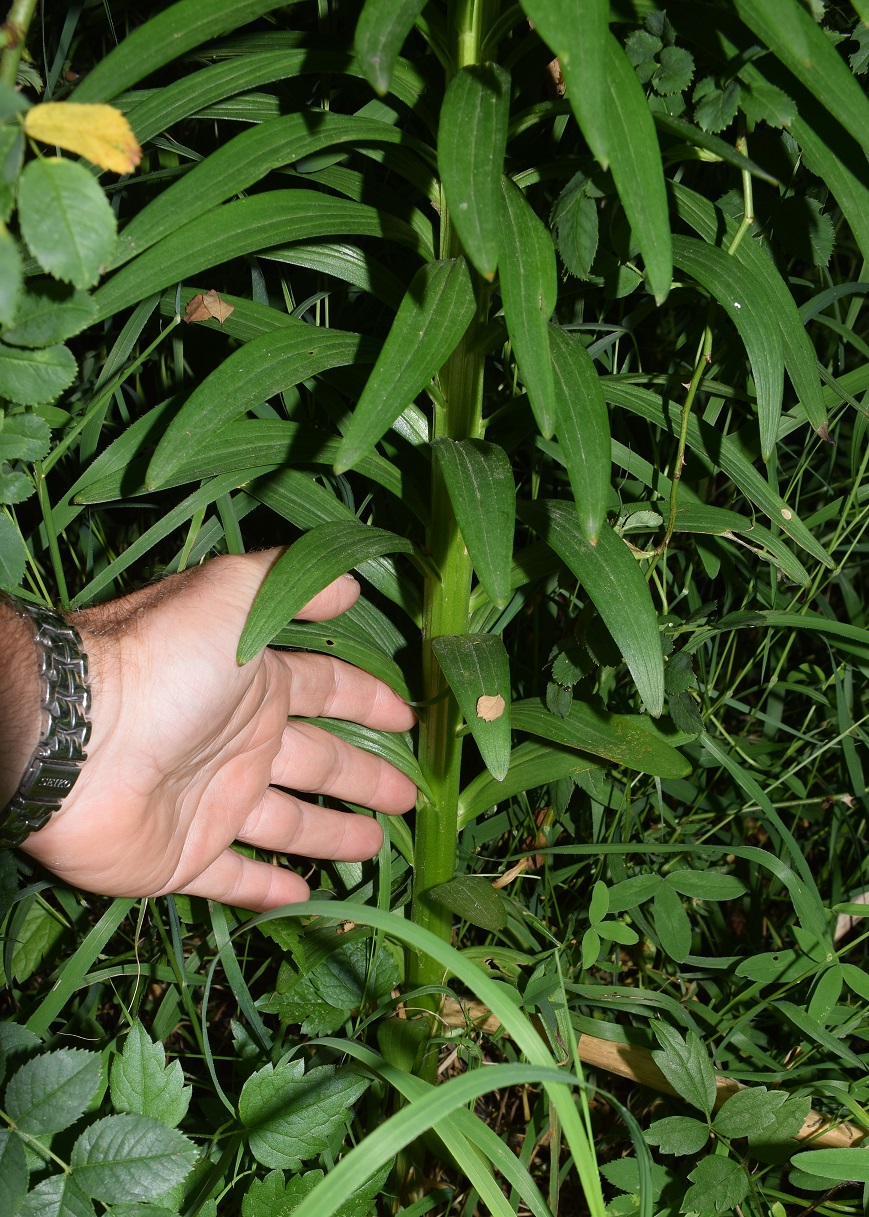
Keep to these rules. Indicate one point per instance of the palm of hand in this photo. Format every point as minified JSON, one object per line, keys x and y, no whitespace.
{"x":189,"y":750}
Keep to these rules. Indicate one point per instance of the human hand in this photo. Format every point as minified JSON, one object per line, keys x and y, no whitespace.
{"x":188,"y":748}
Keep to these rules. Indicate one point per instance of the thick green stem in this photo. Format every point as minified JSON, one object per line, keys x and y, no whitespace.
{"x":457,"y":415}
{"x":12,"y":36}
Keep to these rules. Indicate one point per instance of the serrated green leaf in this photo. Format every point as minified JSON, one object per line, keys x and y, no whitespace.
{"x":706,"y":885}
{"x":318,"y":557}
{"x":616,"y":586}
{"x":50,"y":1092}
{"x":718,"y":1184}
{"x":66,"y":220}
{"x":472,"y":898}
{"x":11,"y":274}
{"x":430,"y":322}
{"x":529,"y":288}
{"x":290,"y":1115}
{"x":631,"y":893}
{"x":531,"y":765}
{"x":716,"y":108}
{"x":618,"y":737}
{"x":123,"y":1159}
{"x":478,"y":672}
{"x":583,"y":430}
{"x":676,"y":70}
{"x":685,"y":1064}
{"x":678,"y":1135}
{"x":242,"y":227}
{"x":672,"y":924}
{"x":58,"y":1196}
{"x":165,"y":37}
{"x":13,"y":1172}
{"x":382,"y":28}
{"x":48,"y":313}
{"x":261,"y":368}
{"x":749,"y":1111}
{"x":789,"y":30}
{"x":23,"y":437}
{"x":575,"y":227}
{"x":472,"y":139}
{"x":479,"y":480}
{"x":787,"y":1123}
{"x":35,"y":377}
{"x":143,"y":1084}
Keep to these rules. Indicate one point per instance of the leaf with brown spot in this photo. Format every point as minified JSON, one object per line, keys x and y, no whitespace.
{"x":100,"y":133}
{"x":490,"y":707}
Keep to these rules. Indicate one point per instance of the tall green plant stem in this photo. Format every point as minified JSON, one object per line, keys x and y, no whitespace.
{"x":457,"y":415}
{"x":12,"y":36}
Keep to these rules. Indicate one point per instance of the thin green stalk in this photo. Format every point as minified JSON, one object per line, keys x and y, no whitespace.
{"x":12,"y":36}
{"x":51,"y":534}
{"x":457,"y":415}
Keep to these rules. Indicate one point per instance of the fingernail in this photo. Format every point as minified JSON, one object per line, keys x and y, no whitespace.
{"x":350,"y":577}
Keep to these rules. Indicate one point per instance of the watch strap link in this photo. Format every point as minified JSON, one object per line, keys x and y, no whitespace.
{"x":65,"y":729}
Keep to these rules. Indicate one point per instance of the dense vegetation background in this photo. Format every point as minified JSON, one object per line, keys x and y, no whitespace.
{"x":549,"y":320}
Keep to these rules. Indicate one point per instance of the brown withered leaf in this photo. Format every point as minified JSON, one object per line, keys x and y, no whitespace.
{"x":490,"y":707}
{"x":205,"y":305}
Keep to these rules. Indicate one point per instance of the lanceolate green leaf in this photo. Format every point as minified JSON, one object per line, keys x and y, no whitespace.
{"x":382,"y":27}
{"x":719,"y":450}
{"x":637,"y":170}
{"x":317,"y":558}
{"x":579,"y":37}
{"x":473,"y":898}
{"x":791,"y":32}
{"x":529,"y":286}
{"x":472,"y":139}
{"x":478,"y":672}
{"x":261,"y":368}
{"x":748,"y":303}
{"x":614,"y":582}
{"x":237,"y":164}
{"x":348,"y":643}
{"x":243,"y":227}
{"x":616,"y":737}
{"x":388,"y":745}
{"x":582,"y":427}
{"x":531,"y":765}
{"x":852,"y":1164}
{"x":479,"y":480}
{"x":164,"y":38}
{"x":431,"y":320}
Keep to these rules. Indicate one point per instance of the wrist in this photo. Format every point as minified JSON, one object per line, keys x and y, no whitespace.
{"x":21,"y":703}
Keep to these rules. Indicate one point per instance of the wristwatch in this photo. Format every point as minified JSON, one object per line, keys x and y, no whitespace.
{"x":65,"y":730}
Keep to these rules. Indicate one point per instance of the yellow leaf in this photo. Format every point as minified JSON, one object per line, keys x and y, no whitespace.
{"x":100,"y":133}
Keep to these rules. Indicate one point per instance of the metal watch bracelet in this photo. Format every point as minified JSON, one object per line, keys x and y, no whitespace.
{"x":65,"y":730}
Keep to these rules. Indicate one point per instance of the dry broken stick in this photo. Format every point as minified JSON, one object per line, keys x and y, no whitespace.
{"x":635,"y":1063}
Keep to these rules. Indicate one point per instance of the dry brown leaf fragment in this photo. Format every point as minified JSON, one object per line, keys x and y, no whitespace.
{"x":205,"y":305}
{"x":490,"y":707}
{"x":100,"y":133}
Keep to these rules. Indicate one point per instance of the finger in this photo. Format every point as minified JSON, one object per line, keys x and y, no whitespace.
{"x":337,"y":598}
{"x":323,"y":686}
{"x":247,"y":883}
{"x":292,"y":826}
{"x":317,"y":762}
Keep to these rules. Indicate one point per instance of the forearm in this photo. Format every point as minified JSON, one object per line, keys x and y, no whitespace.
{"x":20,"y":708}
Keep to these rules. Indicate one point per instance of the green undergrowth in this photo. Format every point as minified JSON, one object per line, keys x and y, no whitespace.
{"x":568,"y":361}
